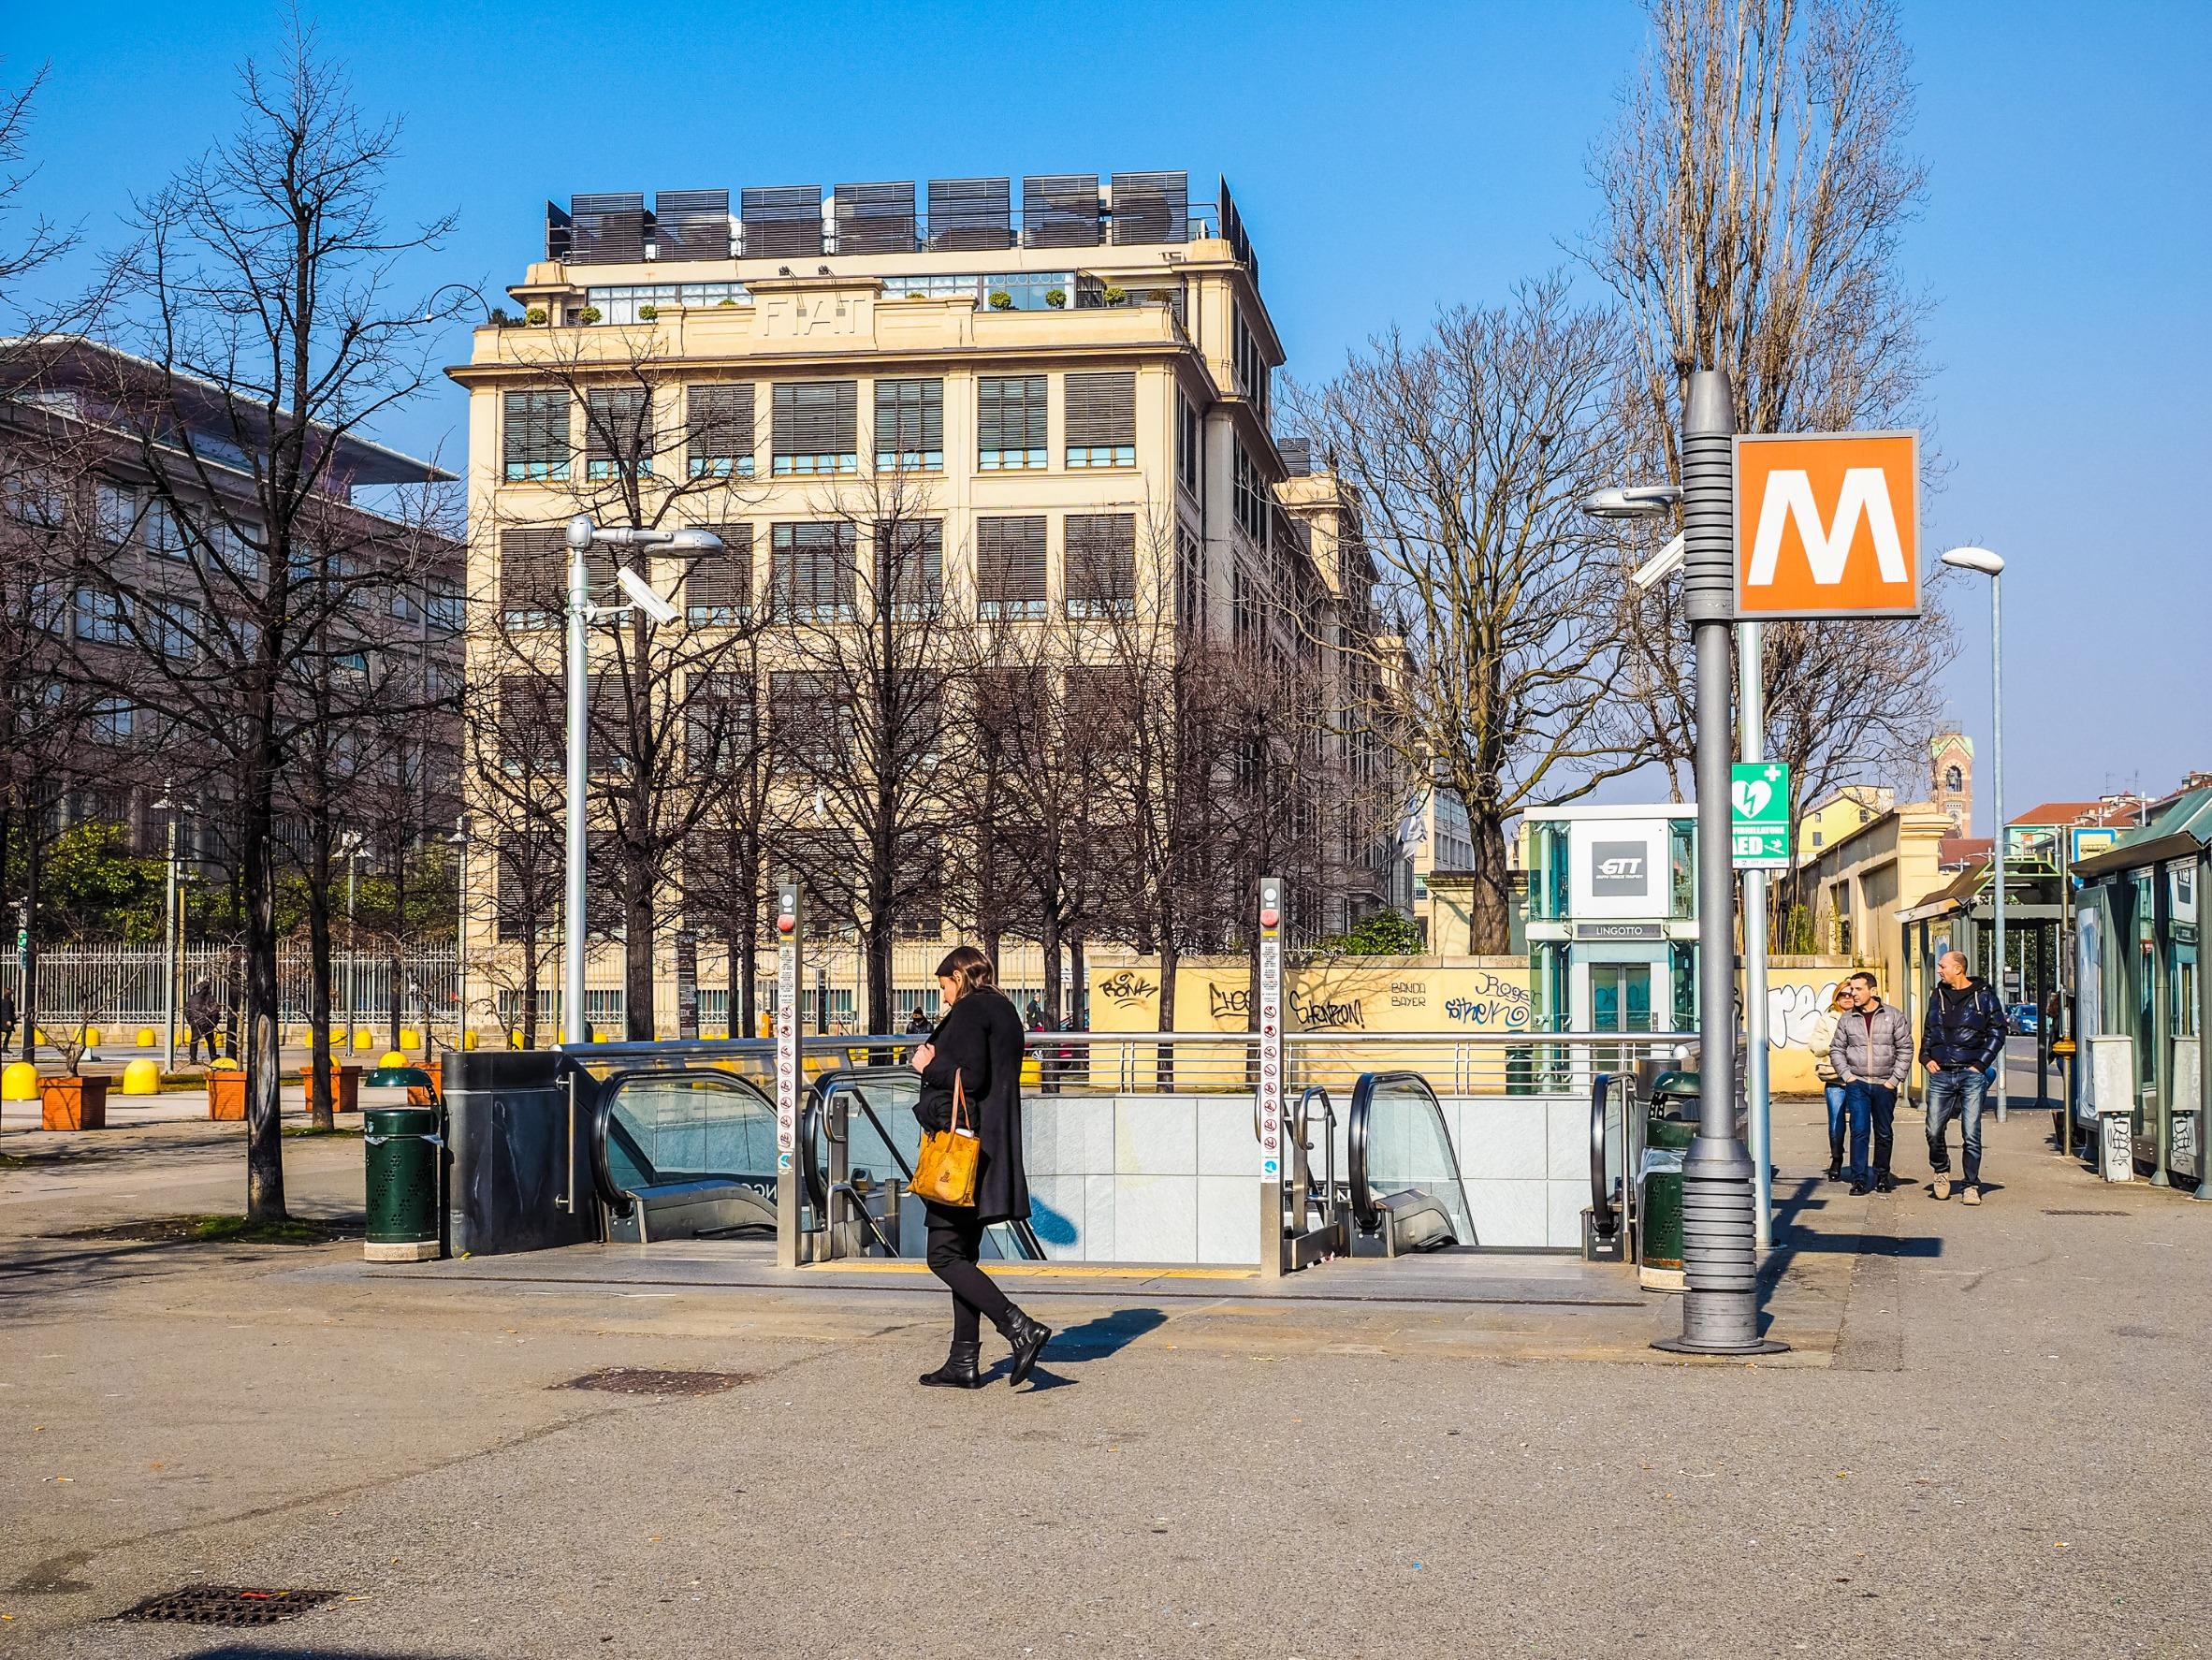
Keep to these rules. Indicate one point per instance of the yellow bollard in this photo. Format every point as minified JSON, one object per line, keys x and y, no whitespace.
{"x":364,"y":1040}
{"x":19,"y":1082}
{"x":391,"y":1057}
{"x":142,"y":1077}
{"x":148,"y":1038}
{"x":410,"y":1037}
{"x":468,"y":1040}
{"x":91,"y":1037}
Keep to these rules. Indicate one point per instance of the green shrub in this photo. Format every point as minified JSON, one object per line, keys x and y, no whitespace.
{"x":535,"y":317}
{"x":590,"y":314}
{"x":647,"y":313}
{"x":1055,"y":298}
{"x":1116,"y":295}
{"x":1001,"y":301}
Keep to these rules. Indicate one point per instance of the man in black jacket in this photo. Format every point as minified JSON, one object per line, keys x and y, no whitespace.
{"x":1960,"y":1039}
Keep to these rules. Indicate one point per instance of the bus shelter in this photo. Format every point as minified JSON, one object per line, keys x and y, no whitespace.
{"x":1962,"y":916}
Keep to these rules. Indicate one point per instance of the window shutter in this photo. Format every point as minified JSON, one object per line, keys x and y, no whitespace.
{"x":1101,"y":410}
{"x":535,"y":436}
{"x":718,"y":422}
{"x":910,"y":563}
{"x":817,"y":417}
{"x":1011,"y":412}
{"x":721,"y":584}
{"x":1010,"y":561}
{"x":614,"y":427}
{"x":1101,"y":564}
{"x":910,"y":418}
{"x":810,"y":567}
{"x":530,"y":573}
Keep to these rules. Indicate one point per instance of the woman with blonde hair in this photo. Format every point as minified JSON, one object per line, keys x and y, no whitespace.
{"x":1823,"y":1040}
{"x":978,"y":1043}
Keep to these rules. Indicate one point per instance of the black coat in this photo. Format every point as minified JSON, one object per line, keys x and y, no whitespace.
{"x":1963,"y":1028}
{"x":981,"y":1037}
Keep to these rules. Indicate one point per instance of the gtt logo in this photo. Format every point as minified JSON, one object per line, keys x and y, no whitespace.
{"x":1617,"y":870}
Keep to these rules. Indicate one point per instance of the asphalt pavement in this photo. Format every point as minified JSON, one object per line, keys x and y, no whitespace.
{"x":1990,"y":1442}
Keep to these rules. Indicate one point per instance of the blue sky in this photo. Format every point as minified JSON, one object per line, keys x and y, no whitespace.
{"x":1387,"y":159}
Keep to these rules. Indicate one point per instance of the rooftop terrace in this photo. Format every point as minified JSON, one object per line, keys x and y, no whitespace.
{"x":801,"y":221}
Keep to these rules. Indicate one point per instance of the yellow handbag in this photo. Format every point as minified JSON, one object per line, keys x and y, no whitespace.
{"x":945,"y":1170}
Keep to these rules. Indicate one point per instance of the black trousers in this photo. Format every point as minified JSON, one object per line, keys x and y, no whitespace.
{"x":956,"y":1242}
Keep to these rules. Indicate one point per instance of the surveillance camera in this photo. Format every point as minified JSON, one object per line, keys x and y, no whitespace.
{"x":642,"y":595}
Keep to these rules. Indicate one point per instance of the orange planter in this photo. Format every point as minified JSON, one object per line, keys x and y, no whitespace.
{"x":227,"y":1094}
{"x":345,"y":1087}
{"x":436,"y":1066}
{"x":73,"y":1103}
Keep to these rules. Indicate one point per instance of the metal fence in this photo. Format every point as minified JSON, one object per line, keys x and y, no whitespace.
{"x":122,"y":985}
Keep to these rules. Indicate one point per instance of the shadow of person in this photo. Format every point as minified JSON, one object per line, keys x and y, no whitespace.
{"x":1095,"y":1339}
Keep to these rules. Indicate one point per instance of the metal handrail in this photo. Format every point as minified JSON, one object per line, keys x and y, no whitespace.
{"x":1605,"y":1215}
{"x":1365,"y":1211}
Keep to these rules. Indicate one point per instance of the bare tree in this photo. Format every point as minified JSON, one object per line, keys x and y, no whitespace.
{"x":1756,"y":185}
{"x":1497,"y":647}
{"x":259,"y":296}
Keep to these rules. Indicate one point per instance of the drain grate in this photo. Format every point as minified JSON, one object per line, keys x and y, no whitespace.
{"x":2085,"y":1212}
{"x":646,"y":1380}
{"x":226,"y":1605}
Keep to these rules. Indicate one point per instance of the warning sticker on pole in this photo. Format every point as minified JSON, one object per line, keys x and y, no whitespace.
{"x":1270,"y":1116}
{"x":787,"y":1023}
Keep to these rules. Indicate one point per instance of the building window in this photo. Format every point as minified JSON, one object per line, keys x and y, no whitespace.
{"x":114,"y":719}
{"x":174,"y":627}
{"x":816,"y":428}
{"x":534,"y":437}
{"x":1953,"y":779}
{"x":618,"y":432}
{"x":1251,"y":365}
{"x":718,"y":588}
{"x":115,"y":511}
{"x":532,"y":577}
{"x":810,"y":726}
{"x":719,"y":430}
{"x":810,"y":571}
{"x":1027,"y":291}
{"x":1101,"y":414}
{"x":1190,"y":580}
{"x":1190,"y":441}
{"x":910,"y":567}
{"x":1100,"y":577}
{"x":1009,"y":566}
{"x":621,"y":302}
{"x":1010,"y":422}
{"x":100,"y":616}
{"x":159,"y":529}
{"x":911,"y":426}
{"x":1250,"y":500}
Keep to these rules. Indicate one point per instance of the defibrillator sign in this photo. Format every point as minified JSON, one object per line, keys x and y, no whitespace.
{"x":1827,"y":525}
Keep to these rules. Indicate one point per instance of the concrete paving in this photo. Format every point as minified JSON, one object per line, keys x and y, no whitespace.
{"x":1989,"y":1441}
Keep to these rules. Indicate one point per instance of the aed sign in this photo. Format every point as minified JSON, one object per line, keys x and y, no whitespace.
{"x":1827,"y":525}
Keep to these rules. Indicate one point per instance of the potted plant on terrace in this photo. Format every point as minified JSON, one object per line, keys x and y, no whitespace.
{"x":648,"y":313}
{"x":72,"y":1100}
{"x":1055,"y":298}
{"x":1001,"y":301}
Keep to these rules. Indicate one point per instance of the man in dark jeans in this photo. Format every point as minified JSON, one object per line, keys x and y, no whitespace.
{"x":1873,"y":1055}
{"x":1961,"y":1038}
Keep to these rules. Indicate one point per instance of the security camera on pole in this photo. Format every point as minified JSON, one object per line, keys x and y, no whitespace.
{"x":581,"y":613}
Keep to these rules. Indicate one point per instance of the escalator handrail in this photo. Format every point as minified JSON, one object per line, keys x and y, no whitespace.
{"x":1364,"y":1210}
{"x":611,"y":1194}
{"x":1604,"y":1215}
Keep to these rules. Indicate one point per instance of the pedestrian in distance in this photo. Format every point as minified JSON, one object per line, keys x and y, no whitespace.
{"x":1961,"y":1036}
{"x":201,"y":1013}
{"x":977,"y":1042}
{"x":1824,"y":1036}
{"x":1873,"y":1055}
{"x":7,"y":1018}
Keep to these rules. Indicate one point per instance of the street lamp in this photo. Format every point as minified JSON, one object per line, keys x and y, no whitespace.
{"x":582,"y":536}
{"x":459,"y":842}
{"x":1991,"y":566}
{"x":349,"y":849}
{"x":172,"y":926}
{"x":1721,"y":1186}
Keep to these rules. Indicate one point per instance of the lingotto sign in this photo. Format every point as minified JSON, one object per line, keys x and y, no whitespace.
{"x":1827,"y":525}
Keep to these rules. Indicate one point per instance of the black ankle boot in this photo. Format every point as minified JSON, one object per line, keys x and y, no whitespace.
{"x":959,"y":1370}
{"x":1027,"y":1338}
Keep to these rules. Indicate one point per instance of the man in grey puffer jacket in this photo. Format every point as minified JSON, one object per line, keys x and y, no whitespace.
{"x":1873,"y":1055}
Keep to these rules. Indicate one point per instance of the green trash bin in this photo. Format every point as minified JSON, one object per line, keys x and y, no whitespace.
{"x":404,"y":1145}
{"x":1666,"y":1139}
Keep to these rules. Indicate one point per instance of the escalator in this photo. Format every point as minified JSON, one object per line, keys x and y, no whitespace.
{"x":1402,"y":1191}
{"x":859,"y":1139}
{"x":682,"y":1154}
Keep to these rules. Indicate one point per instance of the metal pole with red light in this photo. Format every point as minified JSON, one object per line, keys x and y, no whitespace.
{"x":1267,"y":1107}
{"x":790,"y":1075}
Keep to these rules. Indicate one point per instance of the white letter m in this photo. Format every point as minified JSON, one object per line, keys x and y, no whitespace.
{"x":1789,"y":494}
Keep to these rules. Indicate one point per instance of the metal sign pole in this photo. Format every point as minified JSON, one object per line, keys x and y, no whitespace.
{"x":1267,"y":1115}
{"x":789,"y":1074}
{"x":1720,"y":1262}
{"x":1751,"y":668}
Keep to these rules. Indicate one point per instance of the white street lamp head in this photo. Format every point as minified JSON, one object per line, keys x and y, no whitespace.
{"x":580,"y":531}
{"x":1633,"y":500}
{"x":696,"y":542}
{"x":1974,"y":559}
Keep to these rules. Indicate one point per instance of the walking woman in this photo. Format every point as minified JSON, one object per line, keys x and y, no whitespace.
{"x":1822,"y":1039}
{"x":979,"y":1042}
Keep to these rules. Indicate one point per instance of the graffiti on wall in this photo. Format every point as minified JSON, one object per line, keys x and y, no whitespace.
{"x":1491,"y":1003}
{"x":1792,"y":1012}
{"x":1127,"y":989}
{"x":1314,"y":1014}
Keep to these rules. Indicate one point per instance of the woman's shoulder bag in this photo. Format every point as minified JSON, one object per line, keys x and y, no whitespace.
{"x":945,"y":1172}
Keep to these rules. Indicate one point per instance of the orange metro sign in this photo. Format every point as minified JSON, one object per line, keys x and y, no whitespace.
{"x":1827,"y":524}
